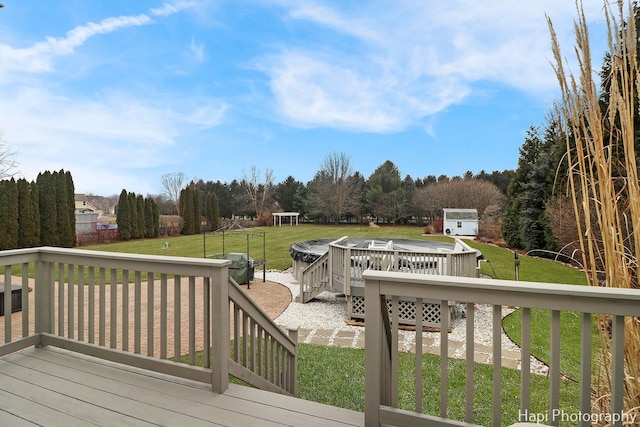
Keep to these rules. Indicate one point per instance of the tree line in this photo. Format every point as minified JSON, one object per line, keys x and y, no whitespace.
{"x":38,"y":213}
{"x":338,"y":194}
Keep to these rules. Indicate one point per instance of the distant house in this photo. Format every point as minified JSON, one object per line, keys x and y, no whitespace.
{"x":460,"y":222}
{"x":83,"y":206}
{"x":86,"y":215}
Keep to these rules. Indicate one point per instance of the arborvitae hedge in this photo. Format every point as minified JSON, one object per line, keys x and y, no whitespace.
{"x":28,"y":214}
{"x":8,"y":214}
{"x":40,"y":213}
{"x":137,"y":217}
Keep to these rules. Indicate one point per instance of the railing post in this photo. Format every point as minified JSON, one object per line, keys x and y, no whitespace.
{"x":374,"y":350}
{"x":44,"y":297}
{"x":220,"y":327}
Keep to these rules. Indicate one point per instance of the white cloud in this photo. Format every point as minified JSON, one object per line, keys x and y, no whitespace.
{"x":174,"y":7}
{"x":106,"y":137}
{"x":413,"y":59}
{"x":197,"y":49}
{"x":38,"y":58}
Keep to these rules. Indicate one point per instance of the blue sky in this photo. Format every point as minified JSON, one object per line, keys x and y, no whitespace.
{"x":122,"y":92}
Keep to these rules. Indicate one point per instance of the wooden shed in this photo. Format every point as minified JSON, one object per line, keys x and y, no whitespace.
{"x":460,"y":222}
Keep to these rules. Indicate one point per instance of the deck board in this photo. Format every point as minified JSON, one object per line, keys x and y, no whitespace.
{"x":65,"y":388}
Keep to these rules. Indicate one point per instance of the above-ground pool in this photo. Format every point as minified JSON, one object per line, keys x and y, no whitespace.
{"x":336,"y":265}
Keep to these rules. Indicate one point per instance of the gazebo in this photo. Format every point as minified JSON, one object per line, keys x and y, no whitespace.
{"x":277,"y":217}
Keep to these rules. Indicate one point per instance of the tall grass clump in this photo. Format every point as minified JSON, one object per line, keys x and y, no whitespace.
{"x":603,"y":178}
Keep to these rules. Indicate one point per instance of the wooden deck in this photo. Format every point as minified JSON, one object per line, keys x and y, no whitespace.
{"x":54,"y":387}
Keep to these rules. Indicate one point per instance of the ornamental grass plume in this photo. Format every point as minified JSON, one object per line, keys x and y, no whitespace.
{"x":603,"y":178}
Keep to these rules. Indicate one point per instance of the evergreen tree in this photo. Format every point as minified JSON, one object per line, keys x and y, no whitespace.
{"x":35,"y":201}
{"x":28,"y":215}
{"x":211,"y":211}
{"x":156,"y":219}
{"x":141,"y":215}
{"x":524,"y":222}
{"x":387,"y":196}
{"x":48,"y":212}
{"x":8,"y":214}
{"x":285,"y":194}
{"x":186,"y":210}
{"x":148,"y":218}
{"x":123,"y":216}
{"x":65,"y":209}
{"x":133,"y":211}
{"x":197,"y":210}
{"x":71,"y":209}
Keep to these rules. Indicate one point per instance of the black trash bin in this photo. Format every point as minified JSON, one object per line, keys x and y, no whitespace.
{"x":241,"y":269}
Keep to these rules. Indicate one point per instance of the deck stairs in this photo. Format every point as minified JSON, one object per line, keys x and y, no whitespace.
{"x":316,"y":279}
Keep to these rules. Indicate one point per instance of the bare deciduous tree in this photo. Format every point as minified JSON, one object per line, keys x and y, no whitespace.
{"x":173,"y":183}
{"x":8,"y":164}
{"x":464,"y":194}
{"x":260,"y":193}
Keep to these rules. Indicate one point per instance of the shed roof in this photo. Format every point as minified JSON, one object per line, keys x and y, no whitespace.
{"x":461,"y":214}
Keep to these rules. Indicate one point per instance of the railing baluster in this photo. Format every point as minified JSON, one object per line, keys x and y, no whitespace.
{"x":125,"y":310}
{"x":91,"y":283}
{"x":252,"y":340}
{"x":554,"y":368}
{"x":163,"y":316}
{"x":497,"y":364}
{"x":617,"y":370}
{"x":245,"y":319}
{"x":469,"y":354}
{"x":260,"y":352}
{"x":60,"y":299}
{"x":273,"y":359}
{"x":236,"y":333}
{"x":395,"y":326}
{"x":150,"y":313}
{"x":113,"y":310}
{"x":81,"y":302}
{"x":70,"y":302}
{"x":585,"y":367}
{"x":101,"y":314}
{"x":206,"y":320}
{"x":7,"y":304}
{"x":25,"y":299}
{"x":177,"y":318}
{"x":418,"y":355}
{"x":192,"y":320}
{"x":137,"y":315}
{"x":444,"y":356}
{"x":525,"y":360}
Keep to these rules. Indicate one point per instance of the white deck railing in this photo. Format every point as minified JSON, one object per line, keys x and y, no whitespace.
{"x":180,"y":316}
{"x":342,"y":266}
{"x":381,"y":400}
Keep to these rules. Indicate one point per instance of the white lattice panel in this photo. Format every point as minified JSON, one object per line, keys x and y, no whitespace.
{"x":406,"y":311}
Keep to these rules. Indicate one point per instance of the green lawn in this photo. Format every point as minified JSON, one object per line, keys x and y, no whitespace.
{"x":277,"y":240}
{"x":335,"y":376}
